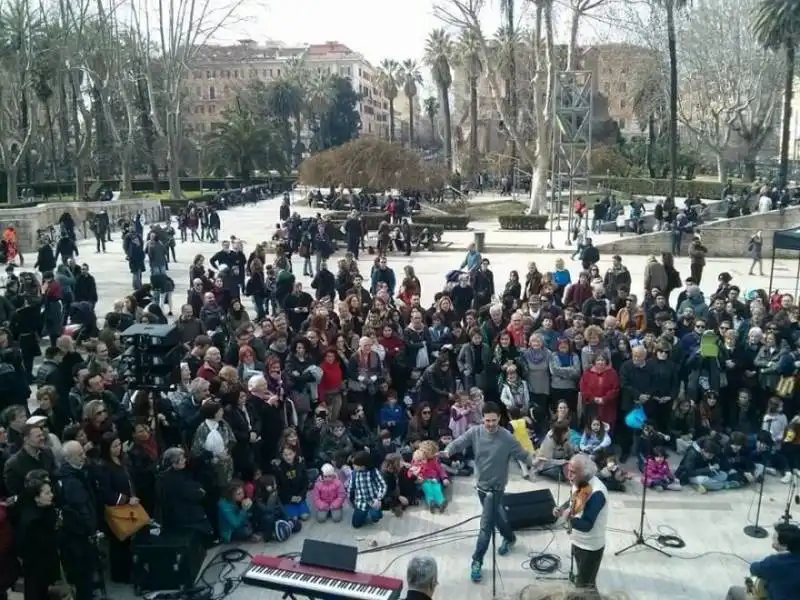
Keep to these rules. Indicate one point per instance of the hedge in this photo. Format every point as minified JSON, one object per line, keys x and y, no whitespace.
{"x":448,"y":222}
{"x":707,"y":190}
{"x":523,"y":222}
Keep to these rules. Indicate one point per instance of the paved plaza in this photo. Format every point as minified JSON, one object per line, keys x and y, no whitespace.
{"x":709,"y":524}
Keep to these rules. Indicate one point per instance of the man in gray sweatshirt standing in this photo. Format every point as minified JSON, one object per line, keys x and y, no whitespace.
{"x":493,"y":448}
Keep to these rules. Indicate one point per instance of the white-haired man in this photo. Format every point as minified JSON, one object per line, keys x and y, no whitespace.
{"x":422,"y":578}
{"x":586,"y":514}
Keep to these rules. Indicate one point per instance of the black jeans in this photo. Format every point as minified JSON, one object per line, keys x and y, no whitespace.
{"x":587,"y":564}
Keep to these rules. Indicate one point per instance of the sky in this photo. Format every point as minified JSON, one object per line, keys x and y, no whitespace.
{"x":377,"y":29}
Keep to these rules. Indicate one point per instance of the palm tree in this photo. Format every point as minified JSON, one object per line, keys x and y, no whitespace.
{"x":411,"y":77}
{"x":242,"y":143}
{"x":508,"y":24}
{"x":284,"y":102}
{"x":298,"y":74}
{"x":388,"y":76}
{"x":469,"y":52}
{"x":777,"y":27}
{"x":438,"y":54}
{"x":671,"y":6}
{"x":319,"y":95}
{"x":431,"y":107}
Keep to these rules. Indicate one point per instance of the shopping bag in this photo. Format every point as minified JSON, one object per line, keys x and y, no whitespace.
{"x":126,"y":519}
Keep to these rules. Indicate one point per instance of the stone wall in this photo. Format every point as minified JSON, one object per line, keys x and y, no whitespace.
{"x":726,"y":238}
{"x":29,"y":220}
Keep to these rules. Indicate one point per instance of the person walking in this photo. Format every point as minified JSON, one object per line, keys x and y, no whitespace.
{"x":754,"y":247}
{"x":697,"y":258}
{"x":493,"y":448}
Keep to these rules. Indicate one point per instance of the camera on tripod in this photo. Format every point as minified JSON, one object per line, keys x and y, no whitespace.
{"x":152,"y":355}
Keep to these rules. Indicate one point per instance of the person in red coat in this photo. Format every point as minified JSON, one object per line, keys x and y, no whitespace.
{"x":600,"y":387}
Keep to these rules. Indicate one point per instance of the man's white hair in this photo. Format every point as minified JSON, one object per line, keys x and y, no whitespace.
{"x":255,"y":382}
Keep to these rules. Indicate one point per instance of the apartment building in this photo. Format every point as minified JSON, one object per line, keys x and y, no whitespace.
{"x":218,"y":72}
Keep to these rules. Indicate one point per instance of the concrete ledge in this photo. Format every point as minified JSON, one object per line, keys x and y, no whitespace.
{"x":27,"y":221}
{"x":725,"y":238}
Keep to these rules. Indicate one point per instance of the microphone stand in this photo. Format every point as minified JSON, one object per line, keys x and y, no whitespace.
{"x":640,"y":541}
{"x":755,"y":530}
{"x":787,"y":516}
{"x":494,"y":543}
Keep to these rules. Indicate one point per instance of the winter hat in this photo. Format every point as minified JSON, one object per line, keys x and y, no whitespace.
{"x":328,"y":470}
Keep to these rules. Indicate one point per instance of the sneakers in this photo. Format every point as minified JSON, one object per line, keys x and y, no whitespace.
{"x":506,"y":546}
{"x":700,"y":489}
{"x":787,"y":477}
{"x":675,"y":486}
{"x":658,"y":488}
{"x":771,"y":471}
{"x":475,"y":571}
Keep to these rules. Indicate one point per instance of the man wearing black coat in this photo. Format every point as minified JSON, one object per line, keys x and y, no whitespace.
{"x":45,"y":258}
{"x":324,"y":282}
{"x":79,"y":521}
{"x":352,"y":233}
{"x":85,"y":286}
{"x":34,"y":455}
{"x":66,"y":248}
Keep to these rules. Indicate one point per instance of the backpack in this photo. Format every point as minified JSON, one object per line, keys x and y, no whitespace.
{"x":709,"y":344}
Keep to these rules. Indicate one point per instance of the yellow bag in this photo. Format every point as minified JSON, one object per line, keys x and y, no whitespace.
{"x":126,"y":519}
{"x":785,"y":387}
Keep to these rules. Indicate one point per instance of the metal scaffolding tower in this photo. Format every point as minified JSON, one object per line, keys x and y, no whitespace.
{"x":572,"y":137}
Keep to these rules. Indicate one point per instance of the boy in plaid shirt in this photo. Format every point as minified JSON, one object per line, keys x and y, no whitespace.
{"x":366,"y":491}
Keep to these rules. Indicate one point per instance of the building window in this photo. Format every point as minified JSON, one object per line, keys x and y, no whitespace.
{"x":622,"y":123}
{"x":622,"y":104}
{"x":214,"y":74}
{"x":212,"y":93}
{"x":212,"y":109}
{"x":208,"y":74}
{"x":202,"y":110}
{"x":359,"y":71}
{"x":623,"y":86}
{"x":197,"y":74}
{"x":279,"y":73}
{"x":347,"y":71}
{"x":265,"y":73}
{"x":236,"y":73}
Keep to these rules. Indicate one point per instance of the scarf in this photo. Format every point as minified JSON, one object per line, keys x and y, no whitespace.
{"x":535,"y":356}
{"x":150,"y":447}
{"x":564,"y":359}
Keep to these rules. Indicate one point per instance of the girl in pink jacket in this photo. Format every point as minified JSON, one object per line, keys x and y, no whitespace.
{"x":657,"y":474}
{"x":328,"y":495}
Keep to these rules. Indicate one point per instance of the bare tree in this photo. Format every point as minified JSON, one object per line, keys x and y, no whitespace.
{"x":729,"y":84}
{"x":465,"y":15}
{"x":17,"y":55}
{"x":173,"y":31}
{"x":579,"y":9}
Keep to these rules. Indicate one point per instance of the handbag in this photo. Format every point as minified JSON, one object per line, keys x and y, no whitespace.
{"x":785,"y":387}
{"x":126,"y":519}
{"x":636,"y":418}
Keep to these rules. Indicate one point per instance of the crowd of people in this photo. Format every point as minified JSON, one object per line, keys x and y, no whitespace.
{"x":355,"y":399}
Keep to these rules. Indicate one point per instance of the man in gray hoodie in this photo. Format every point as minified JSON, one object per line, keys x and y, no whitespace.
{"x":493,"y":448}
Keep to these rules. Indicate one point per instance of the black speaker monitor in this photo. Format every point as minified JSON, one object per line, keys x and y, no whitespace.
{"x":530,"y":509}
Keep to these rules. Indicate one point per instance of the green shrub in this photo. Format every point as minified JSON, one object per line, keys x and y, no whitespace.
{"x":447,"y":222}
{"x":523,"y":222}
{"x":709,"y":190}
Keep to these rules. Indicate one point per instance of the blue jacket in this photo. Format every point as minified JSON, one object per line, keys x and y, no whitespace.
{"x":395,"y":414}
{"x":472,"y":261}
{"x":232,"y":517}
{"x":781,"y":575}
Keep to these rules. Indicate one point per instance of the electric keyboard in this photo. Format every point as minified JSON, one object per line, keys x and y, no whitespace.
{"x":289,"y":576}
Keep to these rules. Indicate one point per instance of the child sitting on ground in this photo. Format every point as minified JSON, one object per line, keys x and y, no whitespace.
{"x":268,"y":514}
{"x":366,"y":491}
{"x":401,"y":491}
{"x":328,"y":495}
{"x":657,"y":474}
{"x":429,"y":474}
{"x":234,"y":514}
{"x":456,"y":463}
{"x":290,"y":472}
{"x":739,"y":461}
{"x":595,"y":438}
{"x":612,"y":475}
{"x":393,"y":417}
{"x":775,"y":423}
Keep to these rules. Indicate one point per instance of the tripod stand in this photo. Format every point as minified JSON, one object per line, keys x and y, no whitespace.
{"x":755,"y":530}
{"x":639,"y":540}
